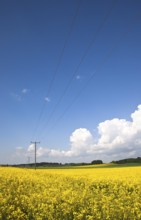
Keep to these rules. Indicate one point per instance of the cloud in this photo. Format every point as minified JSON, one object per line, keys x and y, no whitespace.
{"x":19,"y":96}
{"x":47,"y":99}
{"x":25,"y":91}
{"x":80,"y":139}
{"x":40,"y":151}
{"x":118,"y":138}
{"x":31,"y":149}
{"x":20,"y":151}
{"x":18,"y":156}
{"x":16,"y":97}
{"x":78,"y":77}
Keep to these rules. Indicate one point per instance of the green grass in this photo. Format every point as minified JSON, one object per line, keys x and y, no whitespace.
{"x":101,"y":166}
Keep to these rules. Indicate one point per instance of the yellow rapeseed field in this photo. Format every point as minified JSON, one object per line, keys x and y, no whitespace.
{"x":66,"y":194}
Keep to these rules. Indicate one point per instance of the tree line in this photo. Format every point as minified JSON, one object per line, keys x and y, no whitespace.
{"x":55,"y":164}
{"x":128,"y":160}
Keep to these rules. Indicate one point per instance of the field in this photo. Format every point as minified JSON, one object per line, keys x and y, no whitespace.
{"x":66,"y":194}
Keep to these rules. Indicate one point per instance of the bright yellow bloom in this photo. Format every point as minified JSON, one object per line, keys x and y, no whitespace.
{"x":67,"y":194}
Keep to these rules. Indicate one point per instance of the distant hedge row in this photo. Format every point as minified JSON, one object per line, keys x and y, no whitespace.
{"x":128,"y":160}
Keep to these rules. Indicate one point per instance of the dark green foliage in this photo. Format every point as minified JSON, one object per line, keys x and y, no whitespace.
{"x":128,"y":160}
{"x":97,"y":162}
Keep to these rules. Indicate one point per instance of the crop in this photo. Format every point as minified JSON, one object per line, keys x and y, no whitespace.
{"x":66,"y":194}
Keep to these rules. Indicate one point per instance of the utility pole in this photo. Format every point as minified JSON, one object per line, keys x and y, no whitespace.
{"x":28,"y":158}
{"x":35,"y":144}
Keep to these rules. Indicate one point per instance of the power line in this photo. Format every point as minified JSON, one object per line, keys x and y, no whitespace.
{"x":58,"y":64}
{"x":100,"y":66}
{"x":64,"y":47}
{"x":81,"y":60}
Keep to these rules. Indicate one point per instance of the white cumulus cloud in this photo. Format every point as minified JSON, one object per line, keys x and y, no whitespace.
{"x":41,"y":151}
{"x":118,"y":138}
{"x":31,"y":148}
{"x":80,"y":140}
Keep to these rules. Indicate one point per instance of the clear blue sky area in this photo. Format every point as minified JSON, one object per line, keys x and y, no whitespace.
{"x":65,"y":65}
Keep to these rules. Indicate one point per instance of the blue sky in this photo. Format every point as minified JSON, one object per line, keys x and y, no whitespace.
{"x":66,"y":68}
